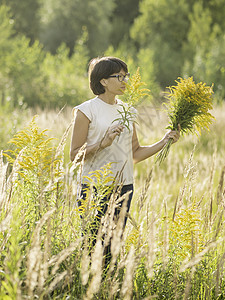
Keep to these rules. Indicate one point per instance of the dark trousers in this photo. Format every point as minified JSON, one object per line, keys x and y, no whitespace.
{"x":101,"y":212}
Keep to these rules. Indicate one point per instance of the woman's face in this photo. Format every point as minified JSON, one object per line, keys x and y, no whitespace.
{"x":115,"y":84}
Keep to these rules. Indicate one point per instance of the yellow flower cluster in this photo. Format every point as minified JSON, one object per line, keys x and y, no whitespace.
{"x":34,"y":154}
{"x":186,"y":238}
{"x":134,"y":92}
{"x":132,"y":96}
{"x":189,"y":105}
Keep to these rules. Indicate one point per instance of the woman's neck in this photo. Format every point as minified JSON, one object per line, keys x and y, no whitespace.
{"x":108,"y":99}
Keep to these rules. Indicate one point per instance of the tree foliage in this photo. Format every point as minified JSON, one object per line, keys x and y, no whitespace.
{"x":63,"y":21}
{"x":122,"y":18}
{"x":163,"y":26}
{"x":45,"y":46}
{"x":186,"y":38}
{"x":31,"y":76}
{"x":204,"y":50}
{"x":25,"y":15}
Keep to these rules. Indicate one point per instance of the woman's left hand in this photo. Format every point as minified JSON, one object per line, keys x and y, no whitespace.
{"x":173,"y":134}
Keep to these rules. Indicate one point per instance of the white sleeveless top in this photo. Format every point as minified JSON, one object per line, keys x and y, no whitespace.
{"x":103,"y":115}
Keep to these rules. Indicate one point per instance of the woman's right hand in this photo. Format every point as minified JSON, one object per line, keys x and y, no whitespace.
{"x":111,"y":134}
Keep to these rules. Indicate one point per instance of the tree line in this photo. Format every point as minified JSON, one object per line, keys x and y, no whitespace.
{"x":45,"y":46}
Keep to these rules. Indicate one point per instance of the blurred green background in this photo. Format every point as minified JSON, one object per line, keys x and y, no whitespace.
{"x":45,"y":46}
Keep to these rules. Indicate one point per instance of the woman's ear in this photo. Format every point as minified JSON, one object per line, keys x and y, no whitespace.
{"x":103,"y":81}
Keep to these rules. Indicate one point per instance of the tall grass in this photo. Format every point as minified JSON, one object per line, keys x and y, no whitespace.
{"x":173,"y":244}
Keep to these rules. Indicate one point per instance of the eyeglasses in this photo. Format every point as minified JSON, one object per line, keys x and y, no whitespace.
{"x":121,"y":77}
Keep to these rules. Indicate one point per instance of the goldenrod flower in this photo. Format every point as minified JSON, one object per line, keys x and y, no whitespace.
{"x":132,"y":96}
{"x":189,"y":105}
{"x":134,"y":92}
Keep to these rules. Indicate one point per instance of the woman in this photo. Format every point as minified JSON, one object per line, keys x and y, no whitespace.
{"x":108,"y":141}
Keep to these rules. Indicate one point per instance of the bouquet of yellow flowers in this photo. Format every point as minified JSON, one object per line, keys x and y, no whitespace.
{"x":189,"y":104}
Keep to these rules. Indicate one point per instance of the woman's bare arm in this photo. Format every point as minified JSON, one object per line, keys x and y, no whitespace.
{"x":79,"y":135}
{"x":142,"y":152}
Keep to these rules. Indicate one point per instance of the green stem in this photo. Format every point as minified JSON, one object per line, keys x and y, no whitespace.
{"x":164,"y":152}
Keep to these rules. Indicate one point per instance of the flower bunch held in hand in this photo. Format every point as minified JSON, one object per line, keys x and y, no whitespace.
{"x":133,"y":95}
{"x":189,"y":104}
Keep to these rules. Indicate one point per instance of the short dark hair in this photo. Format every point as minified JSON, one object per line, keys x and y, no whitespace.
{"x":103,"y":67}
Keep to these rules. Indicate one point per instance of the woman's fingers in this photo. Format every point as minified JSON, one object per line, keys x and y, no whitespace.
{"x":117,"y":129}
{"x":175,"y":135}
{"x":111,"y":134}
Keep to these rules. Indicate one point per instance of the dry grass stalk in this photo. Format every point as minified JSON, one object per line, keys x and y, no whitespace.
{"x":11,"y":258}
{"x":62,"y":280}
{"x":197,"y":258}
{"x":181,"y":197}
{"x":10,"y":183}
{"x":85,"y":264}
{"x":44,"y":265}
{"x":96,"y":270}
{"x":90,"y":211}
{"x":79,"y":157}
{"x":144,"y":191}
{"x":188,"y":284}
{"x":96,"y":258}
{"x":5,"y":224}
{"x":3,"y":173}
{"x":61,"y":256}
{"x":210,"y":209}
{"x":35,"y":256}
{"x":108,"y":219}
{"x":219,"y":271}
{"x":127,"y":286}
{"x":175,"y":209}
{"x":37,"y":264}
{"x":63,"y":140}
{"x":55,"y":283}
{"x":152,"y":246}
{"x":219,"y":195}
{"x":219,"y":225}
{"x":189,"y":173}
{"x":118,"y":231}
{"x":210,"y":189}
{"x":33,"y":267}
{"x":165,"y":236}
{"x":78,"y":164}
{"x":112,"y":280}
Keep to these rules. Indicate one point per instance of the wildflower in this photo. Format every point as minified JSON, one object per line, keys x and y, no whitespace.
{"x":189,"y":105}
{"x":132,"y":96}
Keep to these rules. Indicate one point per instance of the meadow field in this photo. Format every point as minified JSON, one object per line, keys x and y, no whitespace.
{"x":173,"y":246}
